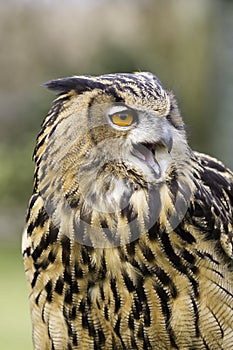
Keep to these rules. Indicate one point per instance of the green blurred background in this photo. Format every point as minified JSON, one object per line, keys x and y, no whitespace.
{"x":187,"y":43}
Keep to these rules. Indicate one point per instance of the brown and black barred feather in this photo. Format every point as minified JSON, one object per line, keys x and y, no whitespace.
{"x":123,"y":251}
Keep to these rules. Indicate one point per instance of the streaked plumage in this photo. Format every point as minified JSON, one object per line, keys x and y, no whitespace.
{"x":128,"y":243}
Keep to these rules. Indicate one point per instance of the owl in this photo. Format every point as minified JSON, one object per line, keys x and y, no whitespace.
{"x":128,"y":241}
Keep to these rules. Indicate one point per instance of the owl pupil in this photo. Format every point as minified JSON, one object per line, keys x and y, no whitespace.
{"x":123,"y":116}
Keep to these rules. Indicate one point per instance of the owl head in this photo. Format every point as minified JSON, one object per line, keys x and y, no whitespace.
{"x":112,"y":153}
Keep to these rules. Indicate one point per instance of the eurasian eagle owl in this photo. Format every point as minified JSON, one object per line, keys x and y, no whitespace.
{"x":128,"y":243}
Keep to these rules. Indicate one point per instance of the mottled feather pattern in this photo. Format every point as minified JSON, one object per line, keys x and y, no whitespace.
{"x":128,"y":242}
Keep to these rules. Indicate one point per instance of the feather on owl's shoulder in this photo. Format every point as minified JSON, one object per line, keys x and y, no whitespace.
{"x":212,"y":208}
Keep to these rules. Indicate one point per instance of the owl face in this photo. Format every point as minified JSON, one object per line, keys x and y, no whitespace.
{"x":117,"y":138}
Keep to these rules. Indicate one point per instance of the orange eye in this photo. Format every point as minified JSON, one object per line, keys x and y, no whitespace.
{"x":124,"y":118}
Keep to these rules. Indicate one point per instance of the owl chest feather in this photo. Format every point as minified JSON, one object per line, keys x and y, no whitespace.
{"x":162,"y":293}
{"x":157,"y":289}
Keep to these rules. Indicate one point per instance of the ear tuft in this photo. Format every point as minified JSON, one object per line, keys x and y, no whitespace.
{"x":79,"y":84}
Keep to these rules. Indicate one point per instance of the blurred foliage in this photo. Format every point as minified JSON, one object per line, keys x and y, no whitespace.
{"x":178,"y":40}
{"x":15,"y":327}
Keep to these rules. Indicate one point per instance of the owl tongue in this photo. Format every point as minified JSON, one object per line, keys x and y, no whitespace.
{"x":145,"y":152}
